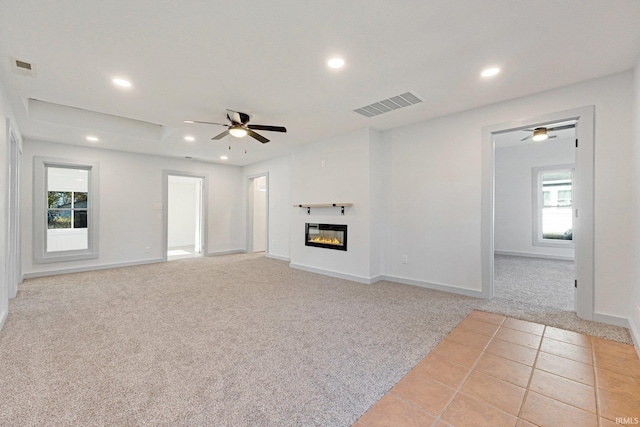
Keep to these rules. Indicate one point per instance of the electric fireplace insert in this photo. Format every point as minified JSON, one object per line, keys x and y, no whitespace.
{"x":328,"y":236}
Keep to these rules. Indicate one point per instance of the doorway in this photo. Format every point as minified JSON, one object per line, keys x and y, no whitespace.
{"x":257,"y":213}
{"x":582,"y":207}
{"x":184,"y":216}
{"x":14,"y":248}
{"x":533,"y":226}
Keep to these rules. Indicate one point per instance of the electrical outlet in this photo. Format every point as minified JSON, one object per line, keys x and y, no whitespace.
{"x":322,"y":163}
{"x":405,"y":259}
{"x":146,"y":249}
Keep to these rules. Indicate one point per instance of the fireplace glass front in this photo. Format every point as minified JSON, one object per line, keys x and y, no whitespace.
{"x":329,"y":236}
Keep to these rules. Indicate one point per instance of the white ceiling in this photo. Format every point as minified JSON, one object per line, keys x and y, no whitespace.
{"x":193,"y":59}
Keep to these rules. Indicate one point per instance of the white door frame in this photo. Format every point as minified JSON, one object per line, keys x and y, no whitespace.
{"x":204,"y":205}
{"x":14,"y":248}
{"x":250,"y":183}
{"x":583,"y":188}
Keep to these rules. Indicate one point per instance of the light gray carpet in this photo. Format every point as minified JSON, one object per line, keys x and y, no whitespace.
{"x":535,"y":281}
{"x":541,"y":291}
{"x":228,"y":341}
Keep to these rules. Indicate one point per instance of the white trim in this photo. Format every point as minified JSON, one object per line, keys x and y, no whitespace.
{"x":3,"y":318}
{"x":40,"y":254}
{"x":331,"y":273}
{"x":204,"y":202}
{"x":435,"y":286}
{"x":230,"y":252}
{"x":534,"y":255}
{"x":536,"y":205}
{"x":14,"y":245}
{"x":278,"y":257}
{"x":250,"y":195}
{"x":584,"y":200}
{"x":90,"y":268}
{"x":611,"y":320}
{"x":635,"y":335}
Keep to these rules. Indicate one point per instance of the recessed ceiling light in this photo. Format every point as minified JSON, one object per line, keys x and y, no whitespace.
{"x":489,"y":72}
{"x":223,"y":157}
{"x":336,"y":63}
{"x":189,"y":138}
{"x":92,"y":139}
{"x":121,"y":82}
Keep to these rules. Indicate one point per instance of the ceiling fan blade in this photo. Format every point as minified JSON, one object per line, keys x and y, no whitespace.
{"x":563,"y":127}
{"x":257,"y":136}
{"x":269,"y":128}
{"x":222,"y":135}
{"x":205,"y":123}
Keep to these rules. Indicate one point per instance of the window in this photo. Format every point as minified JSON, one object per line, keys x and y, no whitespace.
{"x":553,"y":206}
{"x":65,"y":210}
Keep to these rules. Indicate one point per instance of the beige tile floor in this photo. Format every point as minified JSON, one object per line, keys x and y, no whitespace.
{"x":496,"y":371}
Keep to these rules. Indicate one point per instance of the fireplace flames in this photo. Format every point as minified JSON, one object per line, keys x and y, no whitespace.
{"x":326,"y":240}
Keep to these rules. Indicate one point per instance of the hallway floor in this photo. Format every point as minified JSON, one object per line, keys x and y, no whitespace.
{"x":494,"y":371}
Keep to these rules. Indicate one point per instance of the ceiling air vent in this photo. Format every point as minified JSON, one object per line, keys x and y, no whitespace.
{"x":23,"y":67}
{"x":389,"y":104}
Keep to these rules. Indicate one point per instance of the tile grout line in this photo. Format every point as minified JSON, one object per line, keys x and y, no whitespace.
{"x":437,"y":418}
{"x":457,"y":390}
{"x":533,"y":369}
{"x":595,"y":381}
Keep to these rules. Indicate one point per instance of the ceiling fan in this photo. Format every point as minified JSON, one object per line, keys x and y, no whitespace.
{"x":240,"y":127}
{"x":541,"y":133}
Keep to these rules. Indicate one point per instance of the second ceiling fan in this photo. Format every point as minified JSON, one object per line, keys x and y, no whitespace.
{"x":240,"y":127}
{"x":541,"y":133}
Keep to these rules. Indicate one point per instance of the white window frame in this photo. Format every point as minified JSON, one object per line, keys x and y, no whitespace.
{"x":40,"y":208}
{"x":538,"y":204}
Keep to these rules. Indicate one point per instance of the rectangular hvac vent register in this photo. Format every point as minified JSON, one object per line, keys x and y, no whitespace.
{"x":389,"y":104}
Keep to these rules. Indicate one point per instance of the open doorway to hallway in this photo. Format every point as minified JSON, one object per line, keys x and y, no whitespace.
{"x":184,"y":217}
{"x":533,"y":230}
{"x":257,"y":213}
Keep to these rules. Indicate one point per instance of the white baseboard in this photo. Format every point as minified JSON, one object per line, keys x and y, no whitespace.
{"x":611,"y":320}
{"x":436,"y":286}
{"x":233,"y":251}
{"x":279,"y":257}
{"x":331,"y":273}
{"x":534,"y":255}
{"x":89,"y":268}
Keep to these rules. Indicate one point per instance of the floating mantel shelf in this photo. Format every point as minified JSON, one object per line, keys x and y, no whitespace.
{"x":324,"y":205}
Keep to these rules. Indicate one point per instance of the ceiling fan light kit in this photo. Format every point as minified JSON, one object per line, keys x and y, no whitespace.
{"x":540,"y":134}
{"x":237,"y":131}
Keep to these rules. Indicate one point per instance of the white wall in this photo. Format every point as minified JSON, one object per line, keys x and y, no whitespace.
{"x":279,"y":170}
{"x":428,"y":196}
{"x":130,"y":193}
{"x":634,"y":307}
{"x":345,"y":178}
{"x":513,"y":229}
{"x":435,"y":210}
